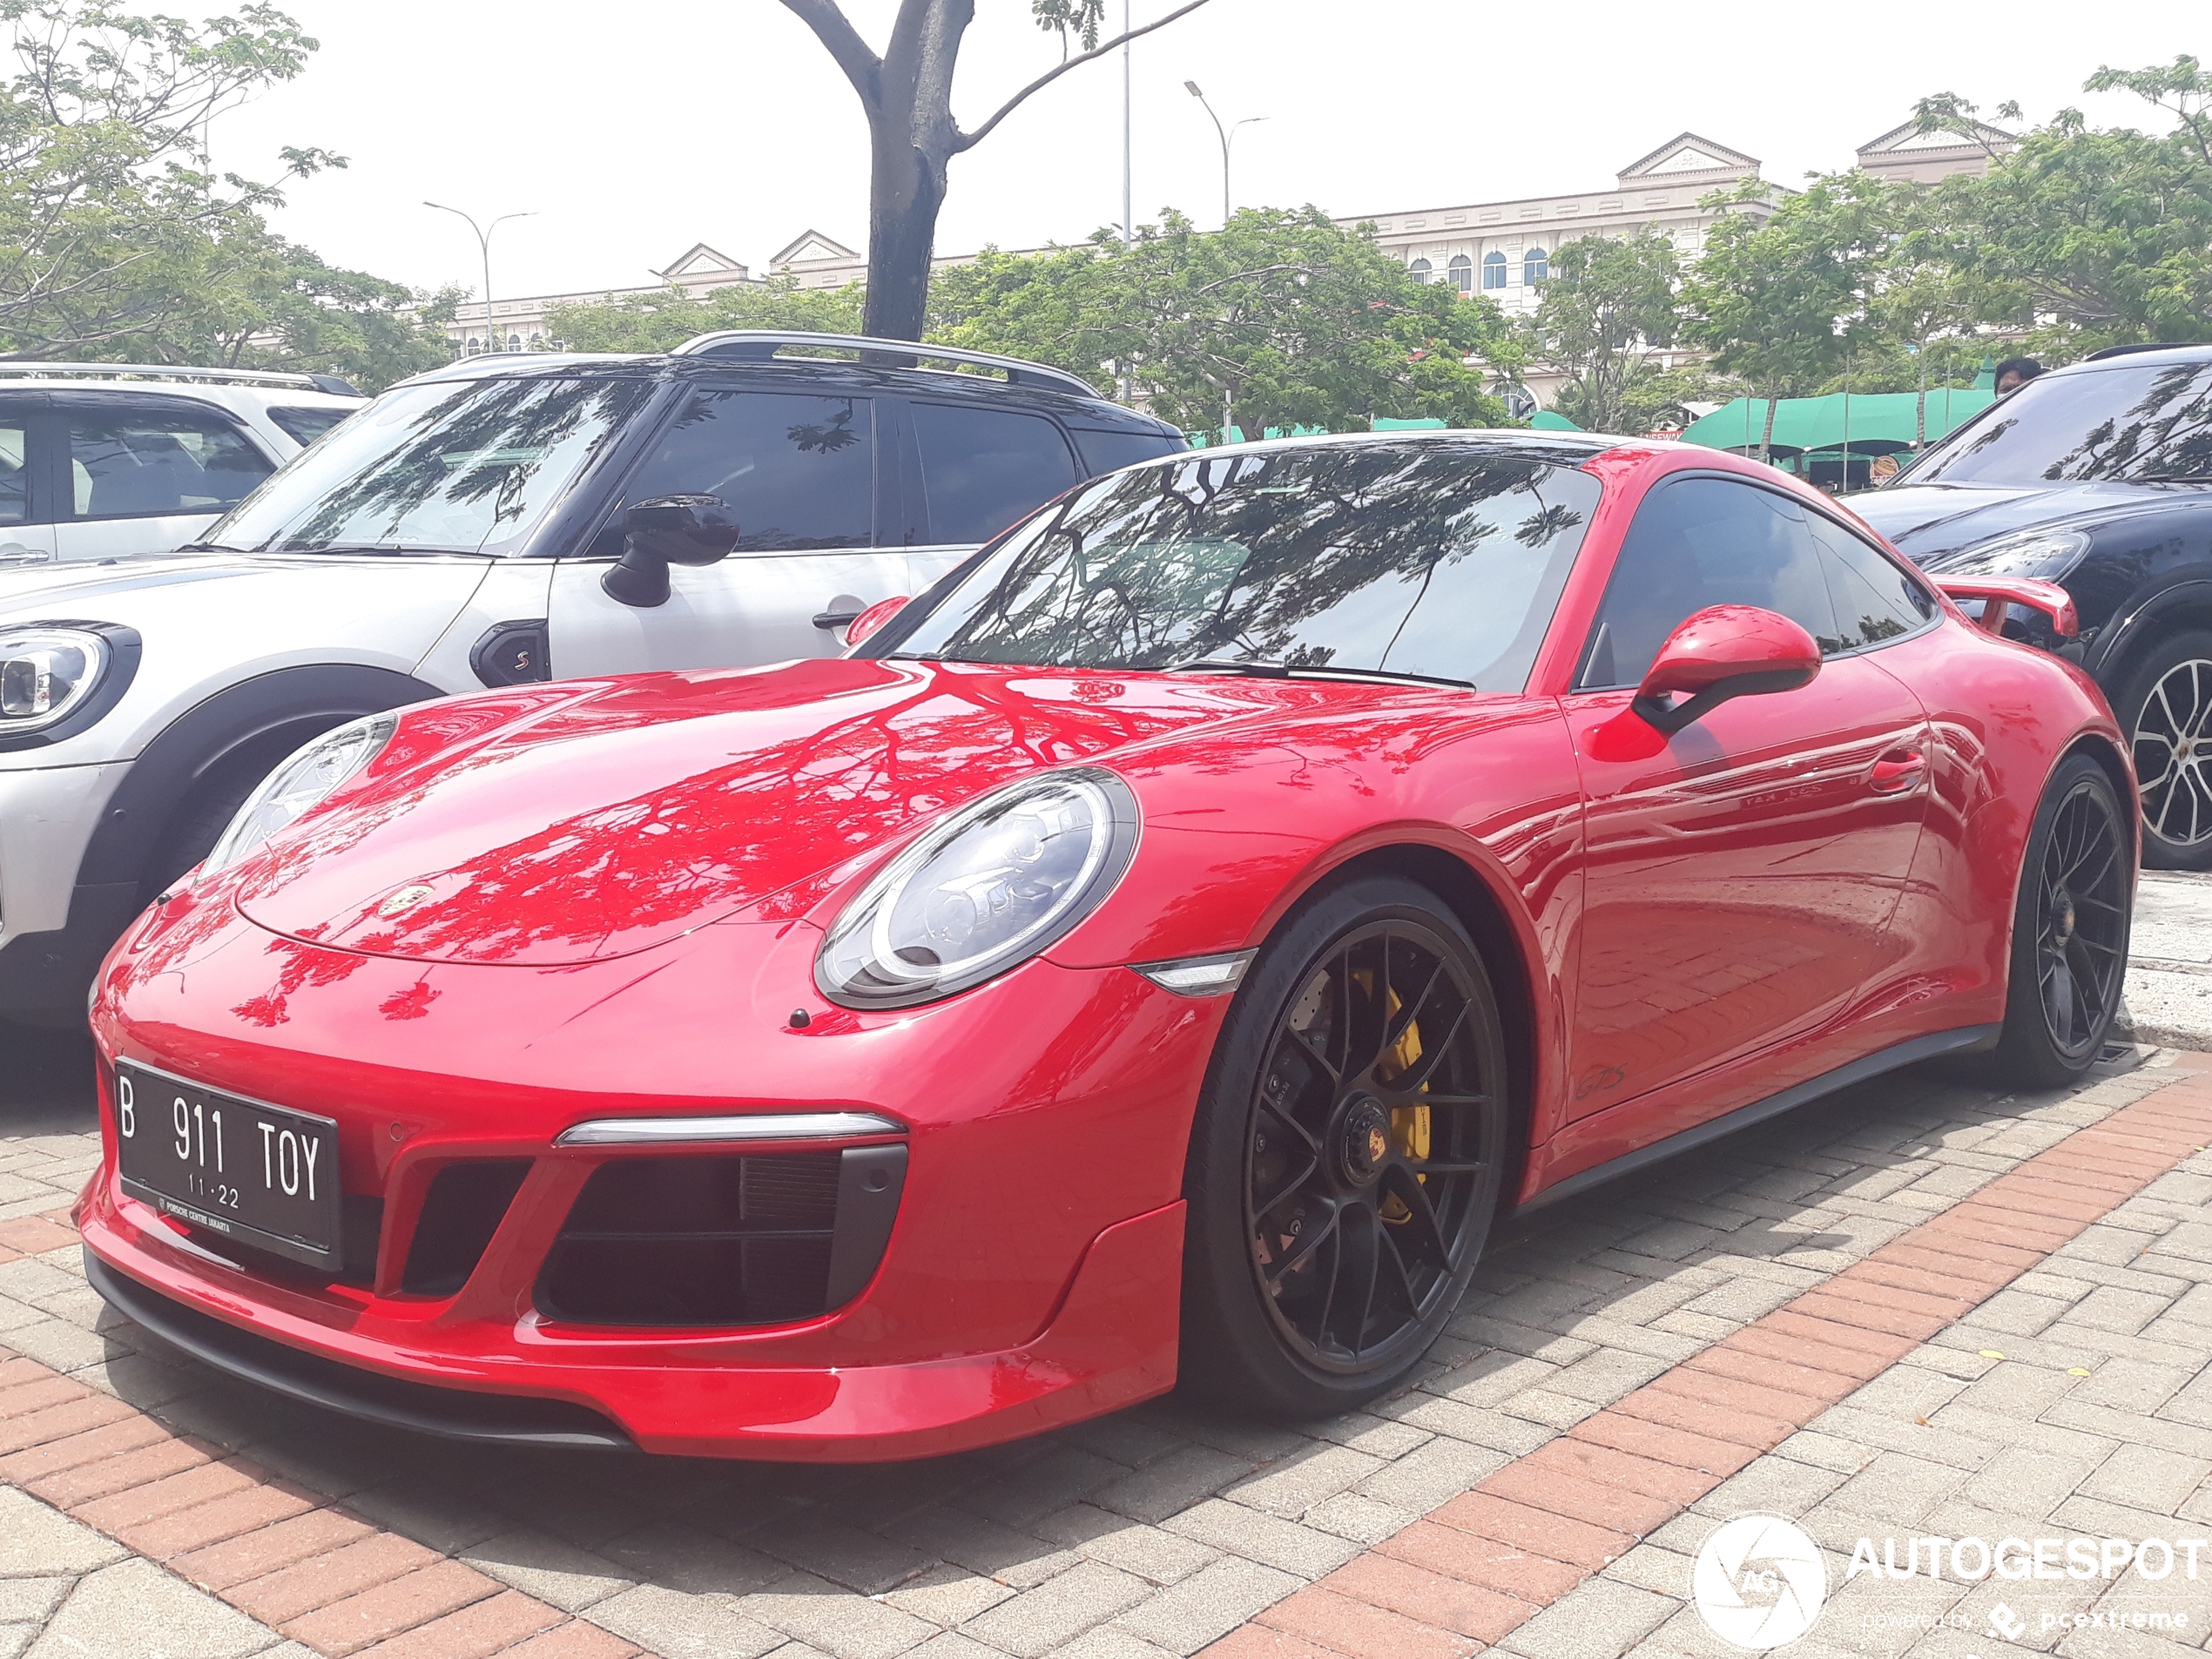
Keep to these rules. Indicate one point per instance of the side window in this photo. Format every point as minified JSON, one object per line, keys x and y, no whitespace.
{"x":15,"y":474}
{"x":797,"y":471}
{"x":140,"y":462}
{"x":305,"y":425}
{"x":1874,"y":600}
{"x":1700,"y":541}
{"x":983,"y":468}
{"x":1110,"y":451}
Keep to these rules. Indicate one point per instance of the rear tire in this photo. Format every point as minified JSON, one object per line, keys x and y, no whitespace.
{"x":1345,"y":1159}
{"x":2070,"y":927}
{"x":2165,"y":706}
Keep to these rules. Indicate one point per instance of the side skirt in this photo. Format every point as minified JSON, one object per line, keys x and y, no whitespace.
{"x":1872,"y":1065}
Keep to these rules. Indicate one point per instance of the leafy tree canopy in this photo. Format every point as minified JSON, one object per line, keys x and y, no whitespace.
{"x":119,"y":240}
{"x":664,"y":317}
{"x":1606,"y":307}
{"x":1282,"y":319}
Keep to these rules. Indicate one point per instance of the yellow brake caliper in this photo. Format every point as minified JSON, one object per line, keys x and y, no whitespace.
{"x":1408,"y":1124}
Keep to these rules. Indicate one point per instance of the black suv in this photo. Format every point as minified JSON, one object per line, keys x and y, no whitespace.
{"x":2099,"y":477}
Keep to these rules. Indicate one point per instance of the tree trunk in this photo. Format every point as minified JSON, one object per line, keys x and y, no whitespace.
{"x":906,"y":189}
{"x":1766,"y":432}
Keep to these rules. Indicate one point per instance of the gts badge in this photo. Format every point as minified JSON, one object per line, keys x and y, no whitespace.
{"x":1596,"y":1082}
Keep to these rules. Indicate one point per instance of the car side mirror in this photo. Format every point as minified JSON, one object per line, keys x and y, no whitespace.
{"x":1721,"y":653}
{"x":668,"y":530}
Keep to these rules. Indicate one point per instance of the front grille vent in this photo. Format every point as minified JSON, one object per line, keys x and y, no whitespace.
{"x":759,"y":1240}
{"x":462,"y":1210}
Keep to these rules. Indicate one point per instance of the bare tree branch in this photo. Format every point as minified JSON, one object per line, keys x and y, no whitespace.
{"x":843,"y":42}
{"x":969,"y":140}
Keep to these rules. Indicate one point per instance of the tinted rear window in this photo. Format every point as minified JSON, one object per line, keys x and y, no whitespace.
{"x":1107,"y":451}
{"x":983,"y":468}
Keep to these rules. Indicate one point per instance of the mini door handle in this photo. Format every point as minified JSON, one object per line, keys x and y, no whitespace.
{"x":837,"y":618}
{"x":1893,"y":774}
{"x":17,"y":553}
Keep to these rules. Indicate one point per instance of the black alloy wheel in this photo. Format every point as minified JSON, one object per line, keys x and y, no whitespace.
{"x":2167,"y":704}
{"x":1363,"y":1145}
{"x":2070,"y":929}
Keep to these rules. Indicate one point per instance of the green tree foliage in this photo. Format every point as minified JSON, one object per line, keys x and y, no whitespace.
{"x":1282,"y":319}
{"x":117,"y":238}
{"x":1607,"y":306}
{"x":2086,"y":237}
{"x":666,"y":318}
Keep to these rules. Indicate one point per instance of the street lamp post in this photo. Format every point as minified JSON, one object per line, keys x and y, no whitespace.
{"x":483,"y":246}
{"x":1227,"y":137}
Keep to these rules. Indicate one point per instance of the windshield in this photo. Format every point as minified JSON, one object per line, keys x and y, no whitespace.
{"x":2124,"y":424}
{"x":453,"y":467}
{"x":1441,"y":559}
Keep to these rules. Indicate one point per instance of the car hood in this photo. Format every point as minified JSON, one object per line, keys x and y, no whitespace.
{"x":602,"y":819}
{"x":1927,"y":522}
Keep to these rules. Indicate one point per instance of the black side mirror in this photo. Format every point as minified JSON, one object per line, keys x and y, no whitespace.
{"x":668,"y":530}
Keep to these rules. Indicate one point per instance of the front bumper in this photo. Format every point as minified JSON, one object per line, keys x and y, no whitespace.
{"x":52,"y":931}
{"x":1031,"y":1277}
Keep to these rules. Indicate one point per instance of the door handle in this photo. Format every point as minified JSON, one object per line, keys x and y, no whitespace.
{"x":17,"y":553}
{"x":1895,"y":773}
{"x":837,"y":618}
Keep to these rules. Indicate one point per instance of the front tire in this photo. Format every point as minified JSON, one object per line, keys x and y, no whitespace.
{"x":1345,"y":1160}
{"x":2165,"y":707}
{"x":2070,"y":927}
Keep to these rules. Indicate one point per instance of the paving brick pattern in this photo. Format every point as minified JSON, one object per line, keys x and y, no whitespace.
{"x":1536,"y":1488}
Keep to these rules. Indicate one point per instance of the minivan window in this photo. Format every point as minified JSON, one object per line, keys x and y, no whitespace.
{"x":445,"y":467}
{"x":305,"y":425}
{"x":15,"y":476}
{"x":145,"y":462}
{"x":2134,"y":424}
{"x":982,"y":468}
{"x":796,"y":470}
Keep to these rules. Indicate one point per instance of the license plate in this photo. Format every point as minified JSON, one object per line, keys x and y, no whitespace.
{"x":263,"y":1175}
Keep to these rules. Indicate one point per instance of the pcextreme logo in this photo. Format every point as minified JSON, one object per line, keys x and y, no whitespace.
{"x":1758,"y":1581}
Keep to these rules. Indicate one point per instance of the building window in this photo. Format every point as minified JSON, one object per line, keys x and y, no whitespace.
{"x":1493,"y":270}
{"x":1420,"y":270}
{"x":514,"y":342}
{"x":473,"y":346}
{"x":1535,"y":266}
{"x":1462,"y":270}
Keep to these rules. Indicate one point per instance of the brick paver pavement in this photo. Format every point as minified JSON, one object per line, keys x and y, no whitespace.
{"x":1746,"y":1329}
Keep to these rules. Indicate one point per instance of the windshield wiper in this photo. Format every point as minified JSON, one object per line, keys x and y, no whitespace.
{"x":2172,"y":478}
{"x":1321,"y":670}
{"x":386,"y":549}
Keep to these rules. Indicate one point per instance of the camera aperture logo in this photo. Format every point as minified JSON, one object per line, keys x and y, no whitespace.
{"x":1758,"y":1581}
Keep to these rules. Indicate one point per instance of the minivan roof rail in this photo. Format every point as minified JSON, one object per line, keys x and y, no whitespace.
{"x":2129,"y":351}
{"x":761,"y":344}
{"x":172,"y":372}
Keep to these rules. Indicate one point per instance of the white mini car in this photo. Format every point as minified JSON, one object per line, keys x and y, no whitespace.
{"x":502,"y":520}
{"x":103,"y":461}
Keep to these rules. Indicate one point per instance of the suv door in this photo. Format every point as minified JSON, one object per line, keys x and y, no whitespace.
{"x":148,"y":474}
{"x":798,"y":474}
{"x":981,"y":470}
{"x":27,"y":475}
{"x":1742,"y":875}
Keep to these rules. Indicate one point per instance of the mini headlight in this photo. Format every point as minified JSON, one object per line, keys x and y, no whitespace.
{"x":305,"y":780}
{"x":45,"y":673}
{"x":2047,"y":554}
{"x":993,"y":885}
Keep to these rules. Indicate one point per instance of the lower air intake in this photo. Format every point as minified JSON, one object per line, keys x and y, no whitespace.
{"x":764,"y":1238}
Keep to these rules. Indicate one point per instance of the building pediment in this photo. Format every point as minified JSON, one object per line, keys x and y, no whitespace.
{"x":1687,"y":153}
{"x":1910,"y":140}
{"x":699,"y":262}
{"x":812,"y":246}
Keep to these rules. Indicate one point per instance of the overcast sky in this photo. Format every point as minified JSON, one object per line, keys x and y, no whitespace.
{"x":633,"y":131}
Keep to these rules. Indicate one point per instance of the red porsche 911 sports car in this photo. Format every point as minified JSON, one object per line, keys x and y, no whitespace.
{"x":1162,"y":950}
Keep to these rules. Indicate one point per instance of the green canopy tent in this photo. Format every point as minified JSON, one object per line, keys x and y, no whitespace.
{"x":1545,"y":420}
{"x":1825,"y":431}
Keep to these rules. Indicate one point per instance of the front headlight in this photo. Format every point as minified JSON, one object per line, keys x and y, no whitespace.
{"x":305,"y":780}
{"x":993,"y":885}
{"x":2047,"y":554}
{"x":46,"y":674}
